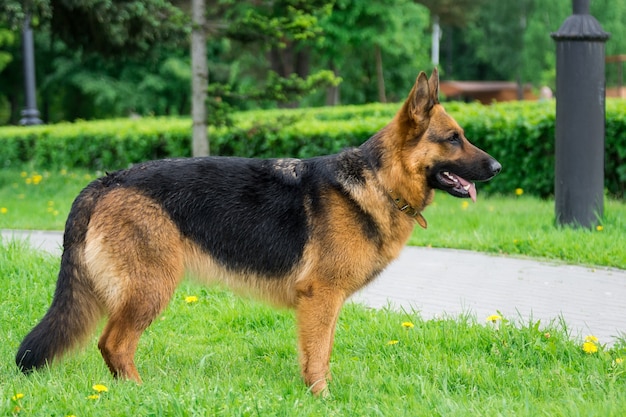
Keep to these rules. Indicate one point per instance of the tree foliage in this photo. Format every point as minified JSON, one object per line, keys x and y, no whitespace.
{"x":7,"y":38}
{"x":117,"y":27}
{"x":104,"y":58}
{"x":354,"y":30}
{"x":107,"y":27}
{"x":454,"y":12}
{"x":270,"y":42}
{"x":510,"y":40}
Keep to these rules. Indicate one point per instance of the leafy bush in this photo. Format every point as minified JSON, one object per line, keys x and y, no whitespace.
{"x":105,"y":144}
{"x":519,"y":134}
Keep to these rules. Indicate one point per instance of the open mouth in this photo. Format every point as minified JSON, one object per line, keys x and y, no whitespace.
{"x":455,"y":185}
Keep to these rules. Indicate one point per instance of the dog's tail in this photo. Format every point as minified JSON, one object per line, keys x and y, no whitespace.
{"x":75,"y":310}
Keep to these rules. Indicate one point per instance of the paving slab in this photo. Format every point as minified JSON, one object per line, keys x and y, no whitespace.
{"x":448,"y":282}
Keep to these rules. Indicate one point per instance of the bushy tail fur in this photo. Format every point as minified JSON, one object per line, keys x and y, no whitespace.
{"x":75,"y":310}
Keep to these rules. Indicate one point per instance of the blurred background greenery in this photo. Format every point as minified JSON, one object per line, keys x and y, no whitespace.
{"x":111,"y":58}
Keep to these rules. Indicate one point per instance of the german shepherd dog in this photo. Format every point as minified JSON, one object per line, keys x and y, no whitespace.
{"x":303,"y":233}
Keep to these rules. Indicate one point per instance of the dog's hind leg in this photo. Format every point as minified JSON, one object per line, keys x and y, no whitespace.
{"x":317,"y":312}
{"x":134,"y":253}
{"x":126,"y":324}
{"x":118,"y":344}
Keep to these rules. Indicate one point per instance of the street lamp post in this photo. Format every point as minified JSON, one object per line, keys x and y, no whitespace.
{"x":30,"y":114}
{"x":580,"y":118}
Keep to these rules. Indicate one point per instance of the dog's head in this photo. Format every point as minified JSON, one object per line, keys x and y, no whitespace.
{"x":434,"y":146}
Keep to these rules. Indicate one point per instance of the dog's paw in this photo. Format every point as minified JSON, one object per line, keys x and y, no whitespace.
{"x":320,"y":389}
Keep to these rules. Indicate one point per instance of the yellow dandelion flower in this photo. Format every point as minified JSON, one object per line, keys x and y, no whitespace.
{"x":590,"y":347}
{"x":4,"y":210}
{"x":64,"y":172}
{"x":619,"y":361}
{"x":37,"y":179}
{"x":29,"y":180}
{"x":408,"y":325}
{"x":519,"y":191}
{"x":464,"y":205}
{"x":599,"y":228}
{"x":17,"y":396}
{"x":23,"y":174}
{"x":493,"y":318}
{"x":591,"y":339}
{"x":191,"y":299}
{"x":393,"y":342}
{"x":93,"y":397}
{"x":100,"y":388}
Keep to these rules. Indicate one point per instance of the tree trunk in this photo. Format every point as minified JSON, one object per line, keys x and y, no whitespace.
{"x":332,"y":92}
{"x":520,"y":86}
{"x":436,"y":38}
{"x":380,"y":79}
{"x":199,"y":79}
{"x":303,"y":62}
{"x":13,"y":106}
{"x":292,"y":59}
{"x":449,"y":53}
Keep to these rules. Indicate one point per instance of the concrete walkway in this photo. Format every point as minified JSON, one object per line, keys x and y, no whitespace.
{"x":445,"y":282}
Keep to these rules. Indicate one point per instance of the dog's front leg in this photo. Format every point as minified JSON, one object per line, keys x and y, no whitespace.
{"x":317,"y":312}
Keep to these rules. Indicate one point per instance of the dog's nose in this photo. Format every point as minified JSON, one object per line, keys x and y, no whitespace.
{"x":495,"y":167}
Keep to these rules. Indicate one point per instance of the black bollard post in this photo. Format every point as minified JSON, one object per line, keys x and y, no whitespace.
{"x":30,"y":114}
{"x":580,"y":117}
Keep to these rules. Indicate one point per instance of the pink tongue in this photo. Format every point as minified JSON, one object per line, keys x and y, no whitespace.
{"x":471,"y":190}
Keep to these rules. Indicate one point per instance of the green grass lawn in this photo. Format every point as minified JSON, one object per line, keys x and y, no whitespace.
{"x":498,"y":224}
{"x":523,"y":226}
{"x":39,"y":199}
{"x":228,"y":356}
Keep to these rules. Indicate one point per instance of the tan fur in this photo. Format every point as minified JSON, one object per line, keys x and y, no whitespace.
{"x":134,"y":255}
{"x":138,"y":255}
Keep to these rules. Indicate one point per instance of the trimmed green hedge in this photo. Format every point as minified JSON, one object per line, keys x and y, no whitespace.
{"x":519,"y":134}
{"x":104,"y":144}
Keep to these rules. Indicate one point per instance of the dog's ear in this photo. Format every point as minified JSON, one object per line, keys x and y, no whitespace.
{"x":420,"y":98}
{"x":433,"y":84}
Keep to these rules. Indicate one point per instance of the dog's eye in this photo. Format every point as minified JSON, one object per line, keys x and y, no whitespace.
{"x":454,"y":138}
